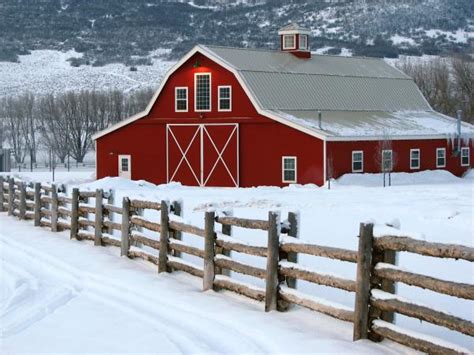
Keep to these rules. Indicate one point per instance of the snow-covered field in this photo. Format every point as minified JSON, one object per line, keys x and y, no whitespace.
{"x":61,"y":295}
{"x":48,"y":71}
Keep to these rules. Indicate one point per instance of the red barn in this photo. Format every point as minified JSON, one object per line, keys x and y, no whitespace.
{"x":244,"y":117}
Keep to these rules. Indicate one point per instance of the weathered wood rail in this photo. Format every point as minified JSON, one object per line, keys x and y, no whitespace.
{"x":376,"y":300}
{"x":89,"y":215}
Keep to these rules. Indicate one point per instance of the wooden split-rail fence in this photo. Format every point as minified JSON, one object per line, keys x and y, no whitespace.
{"x":376,"y":301}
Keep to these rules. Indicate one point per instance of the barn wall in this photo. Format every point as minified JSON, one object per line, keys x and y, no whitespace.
{"x":261,"y":148}
{"x":262,"y":141}
{"x":342,"y":155}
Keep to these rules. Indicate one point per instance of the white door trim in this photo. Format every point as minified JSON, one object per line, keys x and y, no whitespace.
{"x":127,"y":174}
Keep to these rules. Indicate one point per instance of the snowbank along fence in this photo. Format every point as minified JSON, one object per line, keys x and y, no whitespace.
{"x":375,"y":293}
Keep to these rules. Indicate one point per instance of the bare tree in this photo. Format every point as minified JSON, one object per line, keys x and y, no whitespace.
{"x":446,"y":83}
{"x":385,"y":157}
{"x":53,"y":126}
{"x":463,"y":72}
{"x":13,"y":125}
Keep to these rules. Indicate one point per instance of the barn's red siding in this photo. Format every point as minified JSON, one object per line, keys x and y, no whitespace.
{"x":262,"y":141}
{"x":342,"y":155}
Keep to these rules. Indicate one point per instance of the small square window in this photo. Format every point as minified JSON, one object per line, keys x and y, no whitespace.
{"x":440,"y":157}
{"x":181,"y":99}
{"x":357,"y":161}
{"x":289,"y":42}
{"x":289,"y":169}
{"x":414,"y":159}
{"x":465,"y":156}
{"x":225,"y":98}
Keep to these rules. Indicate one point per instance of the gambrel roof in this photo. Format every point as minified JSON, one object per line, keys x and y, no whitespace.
{"x":281,"y":81}
{"x":353,"y":94}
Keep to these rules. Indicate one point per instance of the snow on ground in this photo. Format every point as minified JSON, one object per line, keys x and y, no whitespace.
{"x":62,"y":296}
{"x":48,"y":71}
{"x":432,"y":205}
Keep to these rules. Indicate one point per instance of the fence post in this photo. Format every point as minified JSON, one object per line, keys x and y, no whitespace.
{"x":209,"y":250}
{"x":227,"y":230}
{"x":2,"y":196}
{"x":37,"y":210}
{"x":99,"y":217}
{"x":54,"y":208}
{"x":364,"y":264}
{"x":74,"y":213}
{"x":110,"y":215}
{"x":293,"y":220}
{"x":164,"y":237}
{"x":271,"y":287}
{"x":125,"y":238}
{"x":22,"y":201}
{"x":177,"y":207}
{"x":11,"y":195}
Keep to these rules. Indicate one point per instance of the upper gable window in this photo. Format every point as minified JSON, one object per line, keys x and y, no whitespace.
{"x":181,"y":99}
{"x":304,"y":42}
{"x":225,"y":98}
{"x":202,"y":92}
{"x":289,"y":42}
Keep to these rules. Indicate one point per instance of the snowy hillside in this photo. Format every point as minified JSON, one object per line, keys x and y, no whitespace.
{"x":49,"y":71}
{"x":431,"y":205}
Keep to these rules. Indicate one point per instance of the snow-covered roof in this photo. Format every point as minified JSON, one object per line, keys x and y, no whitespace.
{"x":293,"y":28}
{"x":366,"y":124}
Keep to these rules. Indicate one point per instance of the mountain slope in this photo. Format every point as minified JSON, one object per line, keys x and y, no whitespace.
{"x":125,"y":31}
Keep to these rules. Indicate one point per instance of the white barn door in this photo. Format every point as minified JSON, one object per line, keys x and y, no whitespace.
{"x":203,"y":154}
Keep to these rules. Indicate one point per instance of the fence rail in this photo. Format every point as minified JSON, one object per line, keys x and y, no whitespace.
{"x":376,"y":301}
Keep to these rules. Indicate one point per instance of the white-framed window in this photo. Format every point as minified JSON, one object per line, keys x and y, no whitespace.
{"x":202,"y":92}
{"x":303,"y":42}
{"x":465,"y":156}
{"x":289,"y":41}
{"x":357,"y":161}
{"x":440,"y":157}
{"x":387,"y":160}
{"x":288,"y":169}
{"x":181,"y":99}
{"x":415,"y":159}
{"x":225,"y":98}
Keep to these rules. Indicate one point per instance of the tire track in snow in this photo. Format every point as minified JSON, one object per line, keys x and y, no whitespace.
{"x":162,"y":315}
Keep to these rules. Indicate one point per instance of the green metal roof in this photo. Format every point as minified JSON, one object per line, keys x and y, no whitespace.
{"x":281,"y":81}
